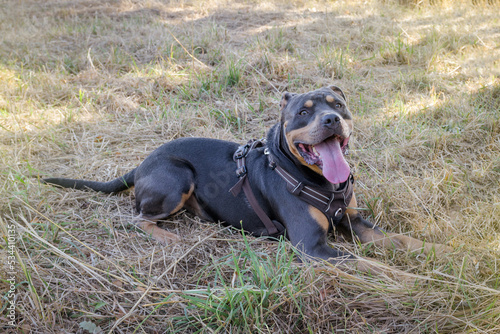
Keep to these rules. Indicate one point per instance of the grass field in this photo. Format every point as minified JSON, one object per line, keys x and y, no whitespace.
{"x":89,"y":88}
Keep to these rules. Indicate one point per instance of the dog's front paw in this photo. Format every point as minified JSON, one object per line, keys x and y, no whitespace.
{"x":439,"y":249}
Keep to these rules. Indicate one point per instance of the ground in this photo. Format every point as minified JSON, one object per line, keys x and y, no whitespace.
{"x":89,"y":88}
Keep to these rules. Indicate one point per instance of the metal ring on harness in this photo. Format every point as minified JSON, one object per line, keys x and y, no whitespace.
{"x":273,"y":227}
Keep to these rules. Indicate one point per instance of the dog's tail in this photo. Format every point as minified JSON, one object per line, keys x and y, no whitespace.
{"x":119,"y":184}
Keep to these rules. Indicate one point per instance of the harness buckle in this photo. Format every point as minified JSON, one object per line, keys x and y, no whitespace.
{"x":240,"y":152}
{"x":241,"y":171}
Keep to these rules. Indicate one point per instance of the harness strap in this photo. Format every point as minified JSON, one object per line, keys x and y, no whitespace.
{"x":332,"y":203}
{"x":241,"y":172}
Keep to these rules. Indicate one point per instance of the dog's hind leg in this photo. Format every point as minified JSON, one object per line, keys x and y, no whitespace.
{"x":162,"y":189}
{"x":157,"y":233}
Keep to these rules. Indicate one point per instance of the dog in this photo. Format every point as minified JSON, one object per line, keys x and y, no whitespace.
{"x":296,"y":183}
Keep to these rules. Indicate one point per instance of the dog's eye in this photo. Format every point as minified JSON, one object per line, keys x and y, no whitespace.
{"x":338,"y":106}
{"x":303,"y":112}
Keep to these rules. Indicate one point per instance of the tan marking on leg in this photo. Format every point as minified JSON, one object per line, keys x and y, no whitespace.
{"x":308,"y":104}
{"x":319,"y":217}
{"x":370,"y":267}
{"x":402,"y":242}
{"x":415,"y":245}
{"x":157,"y":233}
{"x":369,"y":235}
{"x":351,"y":208}
{"x":184,"y":198}
{"x":376,"y":268}
{"x":195,"y":208}
{"x":330,"y":98}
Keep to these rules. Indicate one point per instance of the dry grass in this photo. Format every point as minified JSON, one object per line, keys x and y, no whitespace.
{"x":89,"y":88}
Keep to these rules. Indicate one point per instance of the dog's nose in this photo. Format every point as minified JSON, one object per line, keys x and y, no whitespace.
{"x":330,"y":120}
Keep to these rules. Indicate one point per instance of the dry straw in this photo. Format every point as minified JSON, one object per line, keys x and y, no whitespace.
{"x":89,"y":88}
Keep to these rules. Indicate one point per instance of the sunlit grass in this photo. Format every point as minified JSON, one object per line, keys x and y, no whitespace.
{"x":89,"y":89}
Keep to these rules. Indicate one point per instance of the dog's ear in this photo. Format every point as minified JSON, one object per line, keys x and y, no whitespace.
{"x":285,"y":97}
{"x":338,"y":91}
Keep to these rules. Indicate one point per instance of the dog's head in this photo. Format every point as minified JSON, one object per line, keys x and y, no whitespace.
{"x":317,"y":127}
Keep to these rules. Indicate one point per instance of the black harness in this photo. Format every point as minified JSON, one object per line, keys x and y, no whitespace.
{"x":332,"y":204}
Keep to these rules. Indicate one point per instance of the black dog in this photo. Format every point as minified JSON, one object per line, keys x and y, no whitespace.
{"x":297,"y":183}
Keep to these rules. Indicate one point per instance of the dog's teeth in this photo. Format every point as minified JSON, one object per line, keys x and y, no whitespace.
{"x":315,"y":152}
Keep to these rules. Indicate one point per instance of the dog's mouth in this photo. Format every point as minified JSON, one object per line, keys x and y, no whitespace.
{"x":329,"y":156}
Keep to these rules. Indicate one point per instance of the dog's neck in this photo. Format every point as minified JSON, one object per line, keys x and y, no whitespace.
{"x":281,"y":154}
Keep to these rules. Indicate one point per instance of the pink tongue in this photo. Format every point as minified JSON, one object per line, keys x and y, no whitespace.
{"x":335,"y":168}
